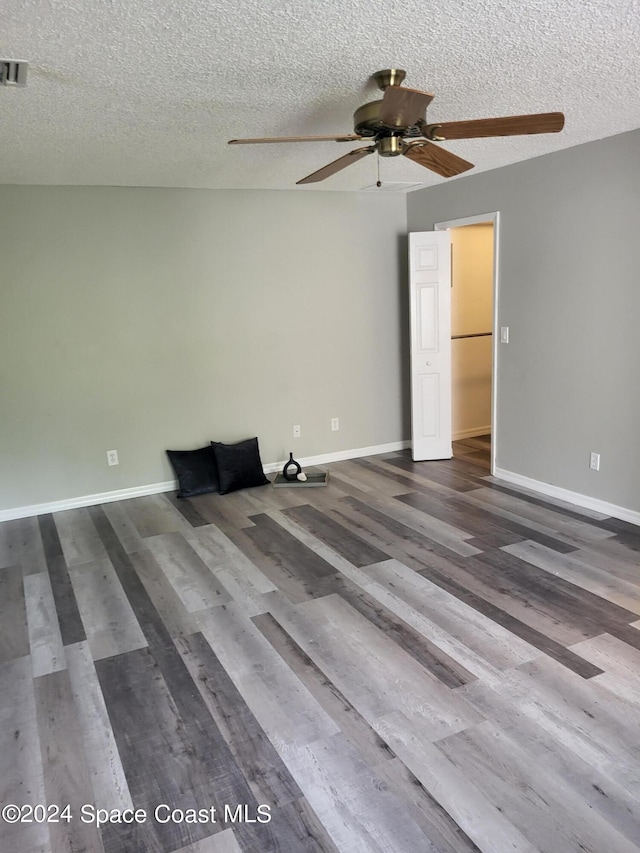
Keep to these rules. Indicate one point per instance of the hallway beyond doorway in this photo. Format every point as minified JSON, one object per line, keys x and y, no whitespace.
{"x":476,"y":450}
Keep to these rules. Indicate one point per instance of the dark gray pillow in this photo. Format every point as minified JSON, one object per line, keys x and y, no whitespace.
{"x":196,"y":471}
{"x":239,"y":465}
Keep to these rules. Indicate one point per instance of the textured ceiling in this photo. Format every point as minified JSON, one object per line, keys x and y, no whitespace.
{"x":147,"y":93}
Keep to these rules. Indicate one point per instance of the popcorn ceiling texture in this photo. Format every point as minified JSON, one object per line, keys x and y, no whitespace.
{"x":148,"y":93}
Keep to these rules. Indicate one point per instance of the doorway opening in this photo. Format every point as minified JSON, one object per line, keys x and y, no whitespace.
{"x":474,"y":243}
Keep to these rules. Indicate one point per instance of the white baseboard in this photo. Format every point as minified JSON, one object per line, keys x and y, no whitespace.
{"x":575,"y":498}
{"x":471,"y":433}
{"x":170,"y":485}
{"x":87,"y":500}
{"x":341,"y":455}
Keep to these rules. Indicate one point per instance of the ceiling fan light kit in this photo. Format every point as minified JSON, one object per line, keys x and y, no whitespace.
{"x":396,"y":124}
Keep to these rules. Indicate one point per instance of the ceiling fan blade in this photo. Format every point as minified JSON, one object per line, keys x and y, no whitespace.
{"x":507,"y":126}
{"x":403,"y":107}
{"x":346,"y":138}
{"x":337,"y":165}
{"x":437,"y":159}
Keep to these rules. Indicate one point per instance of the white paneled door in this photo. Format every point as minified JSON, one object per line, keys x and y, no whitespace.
{"x":430,"y":308}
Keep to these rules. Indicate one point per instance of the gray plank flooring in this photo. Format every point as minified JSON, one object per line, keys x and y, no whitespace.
{"x":112,"y":628}
{"x":416,"y":658}
{"x":14,"y":637}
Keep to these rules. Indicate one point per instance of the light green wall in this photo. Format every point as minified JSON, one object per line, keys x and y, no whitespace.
{"x":141,"y":319}
{"x":569,"y":290}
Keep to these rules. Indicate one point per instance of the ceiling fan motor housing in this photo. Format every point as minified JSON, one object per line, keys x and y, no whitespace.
{"x":366,"y":122}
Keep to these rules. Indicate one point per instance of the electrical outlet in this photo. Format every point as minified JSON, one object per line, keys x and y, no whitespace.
{"x":335,"y":424}
{"x":594,"y":461}
{"x":504,"y":334}
{"x":296,"y":431}
{"x":112,"y":457}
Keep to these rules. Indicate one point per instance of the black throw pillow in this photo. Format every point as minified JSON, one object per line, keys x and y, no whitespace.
{"x":196,"y":471}
{"x":239,"y":465}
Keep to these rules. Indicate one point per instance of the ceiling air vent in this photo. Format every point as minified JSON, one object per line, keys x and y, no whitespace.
{"x":14,"y":72}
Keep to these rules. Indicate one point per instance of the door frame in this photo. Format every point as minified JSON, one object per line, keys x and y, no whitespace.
{"x":494,"y":218}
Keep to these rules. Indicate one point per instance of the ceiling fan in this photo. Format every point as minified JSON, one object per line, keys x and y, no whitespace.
{"x":397,"y":124}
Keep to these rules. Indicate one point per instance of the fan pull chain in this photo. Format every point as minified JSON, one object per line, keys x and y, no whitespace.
{"x":378,"y":182}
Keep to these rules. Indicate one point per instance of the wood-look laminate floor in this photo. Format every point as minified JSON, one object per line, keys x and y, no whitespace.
{"x":415,"y":658}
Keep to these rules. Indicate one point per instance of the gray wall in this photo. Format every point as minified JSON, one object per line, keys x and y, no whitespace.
{"x":570,"y":293}
{"x":141,"y":319}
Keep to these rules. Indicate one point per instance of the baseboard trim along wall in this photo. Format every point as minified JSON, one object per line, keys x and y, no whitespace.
{"x":87,"y":500}
{"x":579,"y":500}
{"x":170,"y":485}
{"x":547,"y":489}
{"x":471,"y":433}
{"x":341,"y":455}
